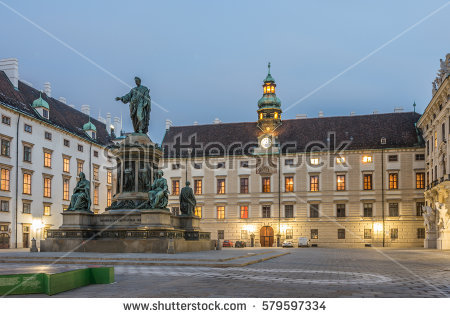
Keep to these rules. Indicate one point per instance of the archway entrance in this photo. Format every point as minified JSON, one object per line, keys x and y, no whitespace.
{"x":4,"y":240}
{"x":266,"y":236}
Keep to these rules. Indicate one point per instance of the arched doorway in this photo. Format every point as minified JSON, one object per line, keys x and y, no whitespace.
{"x":4,"y":240}
{"x":266,"y":236}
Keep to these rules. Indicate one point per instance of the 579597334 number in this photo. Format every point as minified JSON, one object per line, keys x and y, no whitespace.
{"x":292,"y":305}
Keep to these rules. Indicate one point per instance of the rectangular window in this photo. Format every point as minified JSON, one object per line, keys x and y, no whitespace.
{"x":47,"y":210}
{"x":289,"y":184}
{"x":197,"y":165}
{"x":66,"y":194}
{"x":198,"y":211}
{"x":5,"y":147}
{"x":340,"y":160}
{"x":419,"y":206}
{"x":176,"y":210}
{"x":341,"y":234}
{"x":314,"y":161}
{"x":393,"y":181}
{"x":340,"y":210}
{"x":244,"y":185}
{"x":244,"y":212}
{"x":289,"y":162}
{"x":80,"y":148}
{"x":45,"y":113}
{"x":265,"y":184}
{"x":220,"y":234}
{"x":289,"y":211}
{"x":394,"y":234}
{"x":27,"y":128}
{"x":198,"y":187}
{"x":96,"y":153}
{"x":4,"y":179}
{"x":289,"y":234}
{"x":367,"y":182}
{"x":435,"y":139}
{"x":221,"y":212}
{"x":244,"y":234}
{"x":27,"y":183}
{"x":367,"y":159}
{"x":47,"y":159}
{"x":368,"y":210}
{"x":175,"y":166}
{"x":96,"y":195}
{"x":47,"y":187}
{"x":109,"y":177}
{"x":421,"y":233}
{"x":220,"y":186}
{"x":26,"y":153}
{"x":314,"y":183}
{"x":4,"y":206}
{"x":244,"y":164}
{"x":175,"y":187}
{"x":393,"y":209}
{"x":48,"y":135}
{"x":367,"y":234}
{"x":66,"y":143}
{"x":95,"y":170}
{"x":340,"y":182}
{"x":420,"y":156}
{"x":6,"y":120}
{"x":314,"y":234}
{"x":313,"y":210}
{"x":66,"y":164}
{"x":108,"y":197}
{"x":420,"y":180}
{"x":26,"y":208}
{"x":79,"y":167}
{"x":392,"y":158}
{"x":266,"y":211}
{"x":221,"y":165}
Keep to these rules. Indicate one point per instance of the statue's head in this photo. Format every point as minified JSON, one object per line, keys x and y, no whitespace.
{"x":160,"y":173}
{"x":187,"y":183}
{"x":82,"y":176}
{"x":137,"y":80}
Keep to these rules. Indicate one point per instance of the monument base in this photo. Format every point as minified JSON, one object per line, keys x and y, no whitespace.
{"x":443,"y":242}
{"x":430,"y":240}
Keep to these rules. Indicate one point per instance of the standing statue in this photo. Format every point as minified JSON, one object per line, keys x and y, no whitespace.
{"x":429,"y":218}
{"x":140,"y":106}
{"x":187,"y":200}
{"x":128,"y":176}
{"x":81,"y":197}
{"x":443,"y":216}
{"x":158,"y":195}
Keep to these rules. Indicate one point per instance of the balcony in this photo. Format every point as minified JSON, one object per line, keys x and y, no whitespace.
{"x":440,"y":180}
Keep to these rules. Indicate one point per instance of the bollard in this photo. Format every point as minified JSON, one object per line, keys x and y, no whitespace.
{"x":171,"y":247}
{"x":33,"y":248}
{"x":219,"y":245}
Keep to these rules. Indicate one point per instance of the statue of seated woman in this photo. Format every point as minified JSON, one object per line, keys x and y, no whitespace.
{"x":81,"y":197}
{"x":158,"y":195}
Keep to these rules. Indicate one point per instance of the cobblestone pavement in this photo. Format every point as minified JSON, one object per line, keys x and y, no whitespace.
{"x":308,"y":272}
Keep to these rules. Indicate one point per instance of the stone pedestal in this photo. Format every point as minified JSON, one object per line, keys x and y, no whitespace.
{"x":430,"y":239}
{"x":443,"y":242}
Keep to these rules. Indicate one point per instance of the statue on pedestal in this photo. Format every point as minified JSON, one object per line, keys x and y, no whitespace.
{"x":429,"y":218}
{"x":140,"y":106}
{"x":158,"y":195}
{"x":187,"y":200}
{"x":443,"y":216}
{"x":81,"y":197}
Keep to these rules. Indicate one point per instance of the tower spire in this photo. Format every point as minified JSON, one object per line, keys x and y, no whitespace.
{"x":268,"y":66}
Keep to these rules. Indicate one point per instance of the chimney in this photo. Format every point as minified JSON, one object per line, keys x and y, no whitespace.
{"x":169,"y":124}
{"x":85,"y":109}
{"x":352,"y":113}
{"x":62,"y":100}
{"x":11,"y":68}
{"x":72,"y":105}
{"x":48,"y":89}
{"x":300,"y":116}
{"x":195,"y":123}
{"x":216,"y":121}
{"x":375,"y":112}
{"x":117,"y":125}
{"x":398,"y":109}
{"x":321,"y":114}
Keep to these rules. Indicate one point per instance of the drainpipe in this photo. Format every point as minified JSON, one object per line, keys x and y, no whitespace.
{"x":279,"y":199}
{"x":17,"y":179}
{"x":90,"y":174}
{"x":382,"y":190}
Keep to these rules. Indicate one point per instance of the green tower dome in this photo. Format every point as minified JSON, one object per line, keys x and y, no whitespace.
{"x":89,"y":126}
{"x":40,"y":102}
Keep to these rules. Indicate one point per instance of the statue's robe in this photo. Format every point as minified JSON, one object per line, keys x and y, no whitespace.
{"x":81,"y":197}
{"x":140,"y":105}
{"x":187,"y":201}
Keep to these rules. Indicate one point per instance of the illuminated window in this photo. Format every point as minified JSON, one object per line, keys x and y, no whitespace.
{"x":313,"y":210}
{"x":266,"y":211}
{"x":47,"y":210}
{"x":367,"y":234}
{"x":289,"y":184}
{"x":275,"y":115}
{"x":340,"y":160}
{"x":4,"y":179}
{"x":108,"y":197}
{"x":221,"y":212}
{"x":314,"y":183}
{"x":79,"y":167}
{"x":47,"y":159}
{"x":198,"y":187}
{"x":27,"y":183}
{"x":66,"y":183}
{"x":340,"y":182}
{"x":289,"y":211}
{"x":314,"y":161}
{"x":198,"y":211}
{"x":66,"y":164}
{"x":420,"y":180}
{"x":96,"y":194}
{"x":368,"y":208}
{"x":220,"y":186}
{"x":435,"y":139}
{"x":175,"y":187}
{"x":95,"y":172}
{"x":244,"y":212}
{"x":289,"y":234}
{"x":244,"y":185}
{"x":393,"y":181}
{"x":109,"y":177}
{"x":367,"y":159}
{"x":47,"y":187}
{"x":260,"y":115}
{"x":266,"y":184}
{"x":314,"y":234}
{"x":367,"y":183}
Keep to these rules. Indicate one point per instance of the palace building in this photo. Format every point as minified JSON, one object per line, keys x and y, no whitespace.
{"x":346,"y":181}
{"x":45,"y":144}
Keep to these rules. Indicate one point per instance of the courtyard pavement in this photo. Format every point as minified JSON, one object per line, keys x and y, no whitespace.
{"x":302,"y":272}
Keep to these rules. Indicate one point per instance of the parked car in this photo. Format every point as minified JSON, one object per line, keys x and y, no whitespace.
{"x":303,"y":242}
{"x":240,"y":244}
{"x":227,"y":243}
{"x":288,"y":243}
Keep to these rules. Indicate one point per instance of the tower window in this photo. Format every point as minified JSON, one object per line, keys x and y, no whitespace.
{"x":275,"y":116}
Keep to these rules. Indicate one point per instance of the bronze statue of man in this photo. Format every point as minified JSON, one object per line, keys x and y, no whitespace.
{"x":187,"y":200}
{"x":81,"y":197}
{"x":140,"y":106}
{"x":158,"y":196}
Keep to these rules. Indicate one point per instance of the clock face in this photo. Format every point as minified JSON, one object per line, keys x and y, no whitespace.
{"x":266,"y":142}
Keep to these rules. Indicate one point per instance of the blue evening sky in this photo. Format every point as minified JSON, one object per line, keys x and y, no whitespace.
{"x":207,"y":59}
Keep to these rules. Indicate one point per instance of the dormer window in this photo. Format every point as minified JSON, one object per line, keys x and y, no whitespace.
{"x":275,"y":116}
{"x":45,"y":113}
{"x":94,"y":135}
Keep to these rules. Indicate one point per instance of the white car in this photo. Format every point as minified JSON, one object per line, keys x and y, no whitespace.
{"x":303,"y":242}
{"x":288,"y":243}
